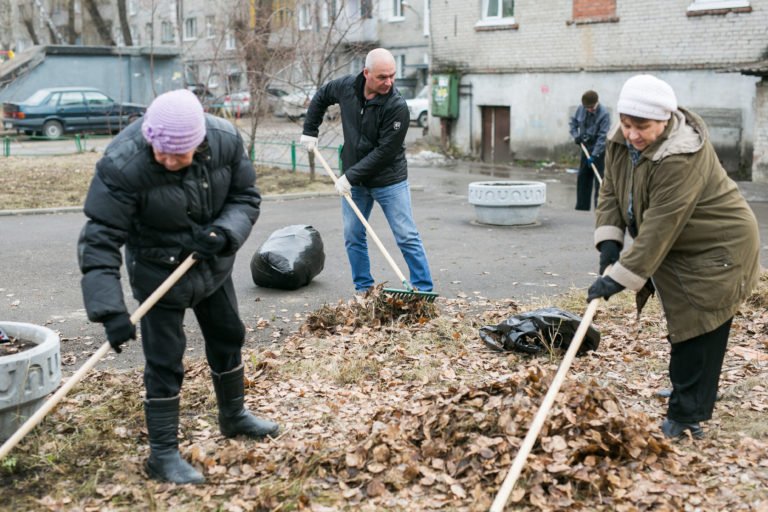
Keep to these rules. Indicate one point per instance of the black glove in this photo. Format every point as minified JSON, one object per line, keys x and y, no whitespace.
{"x":208,"y":242}
{"x":609,"y":253}
{"x":603,"y":287}
{"x":577,"y":140}
{"x":119,"y":330}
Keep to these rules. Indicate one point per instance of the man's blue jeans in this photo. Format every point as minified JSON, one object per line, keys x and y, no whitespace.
{"x":395,"y":201}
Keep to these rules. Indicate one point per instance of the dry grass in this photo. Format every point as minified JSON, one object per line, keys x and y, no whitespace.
{"x":419,"y":416}
{"x":62,"y":181}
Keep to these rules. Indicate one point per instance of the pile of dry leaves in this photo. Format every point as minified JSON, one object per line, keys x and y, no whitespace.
{"x":401,"y":411}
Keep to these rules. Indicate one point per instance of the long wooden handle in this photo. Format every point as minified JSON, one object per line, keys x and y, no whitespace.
{"x":541,"y":415}
{"x":52,"y":402}
{"x":368,"y":227}
{"x":594,"y":167}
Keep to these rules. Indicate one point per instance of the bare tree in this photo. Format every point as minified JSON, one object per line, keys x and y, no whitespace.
{"x":71,"y":32}
{"x":252,"y":27}
{"x":101,"y":26}
{"x":27,"y":15}
{"x":125,"y":27}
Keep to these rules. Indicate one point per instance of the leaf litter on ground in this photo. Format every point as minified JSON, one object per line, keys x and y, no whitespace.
{"x":408,"y":410}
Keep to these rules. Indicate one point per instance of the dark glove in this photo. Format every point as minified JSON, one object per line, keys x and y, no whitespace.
{"x":119,"y":330}
{"x":577,"y":140}
{"x":208,"y":242}
{"x":603,"y":287}
{"x":609,"y":254}
{"x":590,"y":159}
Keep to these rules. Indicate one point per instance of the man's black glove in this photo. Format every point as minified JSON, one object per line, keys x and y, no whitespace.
{"x":208,"y":242}
{"x":119,"y":330}
{"x":603,"y":287}
{"x":609,"y":254}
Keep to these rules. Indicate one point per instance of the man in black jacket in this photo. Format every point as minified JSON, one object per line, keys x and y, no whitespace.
{"x":176,"y":183}
{"x":374,"y":118}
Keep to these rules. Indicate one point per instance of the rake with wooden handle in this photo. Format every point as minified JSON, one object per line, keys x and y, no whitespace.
{"x":538,"y":421}
{"x":409,"y":292}
{"x":594,"y":167}
{"x":52,"y":402}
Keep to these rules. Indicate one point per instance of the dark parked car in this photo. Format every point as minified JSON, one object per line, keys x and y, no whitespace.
{"x":55,"y":111}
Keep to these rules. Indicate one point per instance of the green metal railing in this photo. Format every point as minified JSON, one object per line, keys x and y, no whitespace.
{"x":80,"y":140}
{"x":294,"y":160}
{"x":294,"y":163}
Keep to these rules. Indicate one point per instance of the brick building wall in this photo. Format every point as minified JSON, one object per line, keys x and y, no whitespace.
{"x":546,"y":36}
{"x":538,"y":64}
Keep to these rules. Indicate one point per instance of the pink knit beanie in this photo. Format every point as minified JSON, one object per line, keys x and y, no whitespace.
{"x":174,"y":122}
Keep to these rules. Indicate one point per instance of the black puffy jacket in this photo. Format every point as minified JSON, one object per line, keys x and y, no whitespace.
{"x":136,"y":202}
{"x":374,"y":130}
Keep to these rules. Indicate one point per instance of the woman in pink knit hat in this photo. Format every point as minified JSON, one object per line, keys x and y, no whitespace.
{"x":177,"y":182}
{"x":695,"y":239}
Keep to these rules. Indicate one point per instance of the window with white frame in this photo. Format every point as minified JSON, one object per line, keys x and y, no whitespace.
{"x":190,"y":29}
{"x":328,"y":12}
{"x":366,"y":9}
{"x":210,"y":26}
{"x":229,"y":41}
{"x":166,"y":32}
{"x":214,"y":81}
{"x":705,"y":5}
{"x":399,"y":66}
{"x":397,"y":8}
{"x":192,"y":73}
{"x":305,"y":16}
{"x":498,"y":12}
{"x":356,"y":64}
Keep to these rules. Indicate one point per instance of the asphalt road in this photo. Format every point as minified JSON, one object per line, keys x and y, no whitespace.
{"x":40,"y":280}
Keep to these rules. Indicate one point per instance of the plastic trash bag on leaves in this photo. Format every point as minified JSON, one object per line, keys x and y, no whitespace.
{"x":536,"y":331}
{"x":289,"y":259}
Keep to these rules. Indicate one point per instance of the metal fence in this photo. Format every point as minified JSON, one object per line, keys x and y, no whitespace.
{"x":278,"y":153}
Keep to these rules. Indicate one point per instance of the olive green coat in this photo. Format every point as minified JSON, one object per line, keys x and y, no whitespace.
{"x":697,"y":236}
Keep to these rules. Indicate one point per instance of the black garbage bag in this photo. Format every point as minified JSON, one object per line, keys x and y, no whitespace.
{"x":289,"y":259}
{"x":536,"y":331}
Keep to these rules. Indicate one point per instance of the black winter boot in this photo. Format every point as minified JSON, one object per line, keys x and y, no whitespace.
{"x":165,"y":463}
{"x":233,"y":418}
{"x":674,"y":429}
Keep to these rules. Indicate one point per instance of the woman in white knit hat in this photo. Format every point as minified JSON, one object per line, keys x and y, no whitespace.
{"x":695,"y":239}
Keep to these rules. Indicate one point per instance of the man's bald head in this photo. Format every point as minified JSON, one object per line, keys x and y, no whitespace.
{"x":378,"y":57}
{"x":379,"y":72}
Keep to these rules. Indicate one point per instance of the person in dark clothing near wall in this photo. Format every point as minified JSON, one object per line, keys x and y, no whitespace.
{"x":375,"y":119}
{"x":589,"y":126}
{"x":174,"y":184}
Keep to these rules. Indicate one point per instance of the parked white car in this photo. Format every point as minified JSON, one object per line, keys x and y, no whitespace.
{"x":294,"y":105}
{"x":419,"y":107}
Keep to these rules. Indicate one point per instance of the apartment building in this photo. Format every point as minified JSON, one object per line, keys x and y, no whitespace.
{"x":523,"y":65}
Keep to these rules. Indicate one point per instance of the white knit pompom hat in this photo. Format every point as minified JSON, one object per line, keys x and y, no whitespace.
{"x":647,"y":97}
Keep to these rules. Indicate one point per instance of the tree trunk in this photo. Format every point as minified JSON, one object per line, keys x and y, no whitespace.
{"x":71,"y":33}
{"x":101,"y":25}
{"x":31,"y":29}
{"x":125,"y":28}
{"x":252,"y":33}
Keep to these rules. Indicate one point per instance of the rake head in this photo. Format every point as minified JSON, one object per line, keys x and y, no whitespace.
{"x":410,"y":294}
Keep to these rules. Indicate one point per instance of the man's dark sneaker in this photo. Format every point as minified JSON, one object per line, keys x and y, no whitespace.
{"x":674,"y":429}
